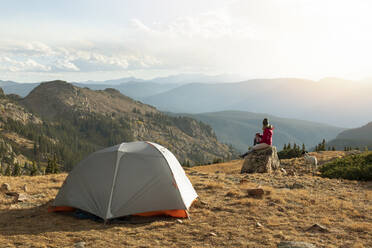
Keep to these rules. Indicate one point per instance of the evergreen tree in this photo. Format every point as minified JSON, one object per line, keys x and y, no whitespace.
{"x":285,"y":147}
{"x":333,"y":148}
{"x":16,"y":170}
{"x":303,"y":147}
{"x":323,"y":145}
{"x":49,"y":169}
{"x":34,"y":169}
{"x":8,"y":171}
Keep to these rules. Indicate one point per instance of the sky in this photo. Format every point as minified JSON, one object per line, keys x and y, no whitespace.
{"x":78,"y":40}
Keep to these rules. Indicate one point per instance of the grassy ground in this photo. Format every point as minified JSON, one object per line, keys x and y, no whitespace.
{"x":224,"y":216}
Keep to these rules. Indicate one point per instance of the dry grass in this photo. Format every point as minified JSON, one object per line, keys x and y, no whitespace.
{"x":343,"y":207}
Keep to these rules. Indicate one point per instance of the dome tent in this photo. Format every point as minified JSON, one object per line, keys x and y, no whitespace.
{"x":141,"y":178}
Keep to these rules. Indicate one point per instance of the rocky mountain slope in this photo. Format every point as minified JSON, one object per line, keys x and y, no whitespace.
{"x":13,"y":117}
{"x":106,"y":117}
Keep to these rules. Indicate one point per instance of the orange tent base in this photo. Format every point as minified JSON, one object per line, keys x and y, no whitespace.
{"x":60,"y":209}
{"x":177,"y":213}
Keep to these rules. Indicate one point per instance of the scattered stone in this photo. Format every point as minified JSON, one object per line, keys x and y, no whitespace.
{"x":261,"y":161}
{"x":25,"y":189}
{"x":283,"y":171}
{"x":243,"y":180}
{"x":256,"y":193}
{"x":317,"y":228}
{"x":258,"y":224}
{"x":179,"y":221}
{"x":12,"y":194}
{"x":291,"y":173}
{"x":213,"y":234}
{"x":295,"y":244}
{"x":5,"y":187}
{"x":296,"y":186}
{"x":21,"y":197}
{"x":80,"y":244}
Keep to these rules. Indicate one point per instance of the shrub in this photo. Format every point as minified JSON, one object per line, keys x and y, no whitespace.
{"x":291,"y":151}
{"x":353,"y":167}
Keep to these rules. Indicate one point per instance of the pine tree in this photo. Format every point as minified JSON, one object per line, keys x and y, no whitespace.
{"x":303,"y":147}
{"x":16,"y":170}
{"x":8,"y":171}
{"x":34,"y":170}
{"x":323,"y":146}
{"x":333,"y":148}
{"x":285,"y":147}
{"x":49,"y":169}
{"x":289,"y":146}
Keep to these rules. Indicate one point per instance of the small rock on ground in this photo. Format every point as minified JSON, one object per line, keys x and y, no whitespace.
{"x":257,"y":193}
{"x":5,"y":187}
{"x":79,"y":244}
{"x":317,"y":228}
{"x":21,"y":197}
{"x":297,"y":186}
{"x":258,"y":224}
{"x":295,"y":244}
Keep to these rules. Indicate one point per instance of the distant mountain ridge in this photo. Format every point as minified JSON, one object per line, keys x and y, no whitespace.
{"x":238,"y":128}
{"x":333,"y":101}
{"x":130,"y":86}
{"x":355,"y":138}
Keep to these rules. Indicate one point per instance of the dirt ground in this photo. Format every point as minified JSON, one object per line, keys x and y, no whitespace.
{"x":224,"y":215}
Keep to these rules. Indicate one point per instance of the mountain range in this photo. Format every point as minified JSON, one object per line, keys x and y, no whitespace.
{"x":333,"y":101}
{"x":58,"y":119}
{"x":355,"y":138}
{"x":239,"y":127}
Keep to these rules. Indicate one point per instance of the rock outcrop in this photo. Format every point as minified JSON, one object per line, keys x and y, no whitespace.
{"x":261,"y":161}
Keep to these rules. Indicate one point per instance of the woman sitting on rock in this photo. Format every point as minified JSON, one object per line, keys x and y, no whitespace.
{"x":266,"y":138}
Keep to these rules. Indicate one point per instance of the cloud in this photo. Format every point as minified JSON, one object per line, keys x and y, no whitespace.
{"x":266,"y":38}
{"x":29,"y":65}
{"x":40,"y":57}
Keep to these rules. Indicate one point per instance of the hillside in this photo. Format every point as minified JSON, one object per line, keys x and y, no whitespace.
{"x":223,"y":216}
{"x":320,"y":101}
{"x":13,"y":145}
{"x":238,"y":128}
{"x":356,"y":137}
{"x":106,"y":117}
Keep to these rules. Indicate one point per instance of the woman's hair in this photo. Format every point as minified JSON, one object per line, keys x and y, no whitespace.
{"x":266,"y":124}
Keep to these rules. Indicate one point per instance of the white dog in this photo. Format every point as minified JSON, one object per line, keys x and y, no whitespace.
{"x":311,"y":161}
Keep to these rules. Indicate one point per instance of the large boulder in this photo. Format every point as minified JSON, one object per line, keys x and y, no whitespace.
{"x":262,"y":161}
